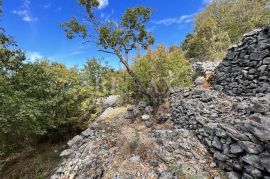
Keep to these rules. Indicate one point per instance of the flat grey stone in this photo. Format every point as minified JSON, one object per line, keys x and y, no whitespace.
{"x":233,"y":175}
{"x":66,"y":153}
{"x":235,"y":149}
{"x":216,"y":143}
{"x":75,"y":141}
{"x":250,"y":147}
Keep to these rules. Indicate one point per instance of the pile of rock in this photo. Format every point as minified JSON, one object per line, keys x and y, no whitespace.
{"x":111,"y":101}
{"x":134,"y":111}
{"x":82,"y":158}
{"x":145,"y":113}
{"x":235,"y":129}
{"x":246,"y":68}
{"x":180,"y":149}
{"x":103,"y":151}
{"x":202,"y":68}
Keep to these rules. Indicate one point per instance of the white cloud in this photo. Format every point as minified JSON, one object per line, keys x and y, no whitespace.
{"x":46,"y":6}
{"x":207,"y":1}
{"x":33,"y":56}
{"x":26,"y":3}
{"x":103,"y":3}
{"x":58,"y":9}
{"x":180,"y":20}
{"x":25,"y":13}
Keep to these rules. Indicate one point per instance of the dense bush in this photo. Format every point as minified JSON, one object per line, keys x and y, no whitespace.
{"x":221,"y":24}
{"x":43,"y":99}
{"x":159,"y":70}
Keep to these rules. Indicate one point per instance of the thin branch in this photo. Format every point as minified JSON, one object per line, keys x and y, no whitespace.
{"x":105,"y":51}
{"x":90,"y":41}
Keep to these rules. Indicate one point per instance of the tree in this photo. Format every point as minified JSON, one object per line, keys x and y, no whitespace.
{"x":159,"y":69}
{"x":97,"y":82}
{"x":115,"y":38}
{"x":96,"y":74}
{"x":36,"y":99}
{"x":221,"y":24}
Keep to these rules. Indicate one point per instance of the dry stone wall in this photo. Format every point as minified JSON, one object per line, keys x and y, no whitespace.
{"x":233,"y":121}
{"x":246,"y":68}
{"x":236,"y":130}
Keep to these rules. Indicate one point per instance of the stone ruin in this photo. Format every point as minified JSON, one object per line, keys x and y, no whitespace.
{"x":246,"y":69}
{"x":233,"y":121}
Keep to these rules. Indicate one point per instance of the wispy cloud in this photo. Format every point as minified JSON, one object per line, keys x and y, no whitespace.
{"x":207,"y":1}
{"x":46,"y":6}
{"x":25,"y":13}
{"x":103,"y":3}
{"x":151,"y":29}
{"x":58,"y":9}
{"x":179,"y":20}
{"x":75,"y":53}
{"x":33,"y":56}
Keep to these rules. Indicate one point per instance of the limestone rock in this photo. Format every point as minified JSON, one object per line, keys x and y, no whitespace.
{"x":250,"y":147}
{"x":145,"y":117}
{"x":233,"y":175}
{"x":216,"y":143}
{"x":236,"y":149}
{"x":200,"y":80}
{"x":66,"y":153}
{"x":253,"y":160}
{"x":75,"y":141}
{"x":265,"y":160}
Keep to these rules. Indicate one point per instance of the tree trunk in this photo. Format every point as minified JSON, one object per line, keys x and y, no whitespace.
{"x":136,"y":80}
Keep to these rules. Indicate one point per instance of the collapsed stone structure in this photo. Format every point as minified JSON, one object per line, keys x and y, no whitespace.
{"x":235,"y":129}
{"x":234,"y":125}
{"x":246,"y":68}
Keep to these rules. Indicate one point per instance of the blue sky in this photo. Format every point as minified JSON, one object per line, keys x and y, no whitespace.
{"x":34,"y":24}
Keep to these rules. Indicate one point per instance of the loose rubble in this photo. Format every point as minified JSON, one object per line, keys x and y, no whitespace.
{"x":113,"y":148}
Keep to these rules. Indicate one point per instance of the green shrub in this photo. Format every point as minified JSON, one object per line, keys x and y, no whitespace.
{"x":160,"y":71}
{"x":221,"y":24}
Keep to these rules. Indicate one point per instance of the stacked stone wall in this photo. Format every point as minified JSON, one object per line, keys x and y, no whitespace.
{"x":246,"y":68}
{"x":236,"y":130}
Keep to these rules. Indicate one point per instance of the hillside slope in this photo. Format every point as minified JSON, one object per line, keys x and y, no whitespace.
{"x":113,"y":148}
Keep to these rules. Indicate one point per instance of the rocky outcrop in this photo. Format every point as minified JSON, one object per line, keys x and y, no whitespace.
{"x":236,"y":130}
{"x":246,"y":68}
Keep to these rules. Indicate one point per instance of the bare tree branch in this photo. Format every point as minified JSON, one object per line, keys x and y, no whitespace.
{"x":105,"y":51}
